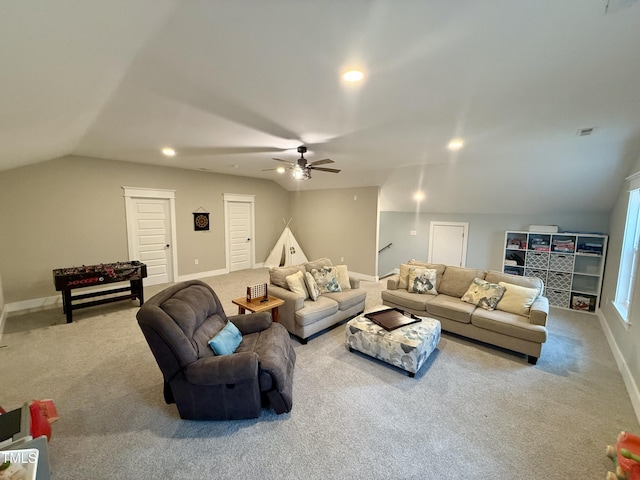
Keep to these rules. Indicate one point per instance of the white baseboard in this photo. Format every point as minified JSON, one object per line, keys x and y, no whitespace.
{"x":34,"y":304}
{"x":632,"y":386}
{"x":362,"y":276}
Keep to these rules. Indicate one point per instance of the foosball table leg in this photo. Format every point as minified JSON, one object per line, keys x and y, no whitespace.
{"x":66,"y":305}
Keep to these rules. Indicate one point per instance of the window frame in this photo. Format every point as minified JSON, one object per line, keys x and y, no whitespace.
{"x":629,"y":255}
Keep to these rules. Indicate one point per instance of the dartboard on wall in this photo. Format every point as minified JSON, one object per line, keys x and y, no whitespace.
{"x":200,"y":221}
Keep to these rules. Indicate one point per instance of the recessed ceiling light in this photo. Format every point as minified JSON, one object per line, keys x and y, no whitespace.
{"x":280,"y":169}
{"x":455,"y":144}
{"x":418,"y":196}
{"x":169,"y":152}
{"x":353,"y":76}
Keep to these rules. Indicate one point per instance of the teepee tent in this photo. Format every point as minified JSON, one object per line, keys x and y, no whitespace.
{"x":287,"y":251}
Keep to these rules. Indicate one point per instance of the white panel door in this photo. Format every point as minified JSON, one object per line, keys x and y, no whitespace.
{"x":152,"y":234}
{"x":240,"y":236}
{"x":448,"y":243}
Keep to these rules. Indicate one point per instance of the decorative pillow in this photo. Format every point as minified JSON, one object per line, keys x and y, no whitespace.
{"x":517,"y":299}
{"x":343,"y":277}
{"x":296,"y":284}
{"x":312,"y":286}
{"x":422,"y":280}
{"x":483,"y":294}
{"x":278,"y":275}
{"x":226,"y":340}
{"x":403,"y":280}
{"x":327,"y":279}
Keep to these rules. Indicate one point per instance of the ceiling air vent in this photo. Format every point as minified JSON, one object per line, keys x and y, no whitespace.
{"x":583,"y":132}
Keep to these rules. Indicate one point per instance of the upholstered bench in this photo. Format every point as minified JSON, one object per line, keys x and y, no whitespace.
{"x":406,"y":347}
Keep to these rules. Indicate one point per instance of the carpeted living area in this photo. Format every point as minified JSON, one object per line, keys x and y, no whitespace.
{"x":472,"y":411}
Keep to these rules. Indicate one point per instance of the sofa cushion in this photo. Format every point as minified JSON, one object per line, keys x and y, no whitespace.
{"x":327,"y":279}
{"x":343,"y":277}
{"x":483,"y":294}
{"x":318,"y":264}
{"x":312,"y":286}
{"x":529,"y":282}
{"x":412,"y":301}
{"x":456,"y":280}
{"x":422,"y":280}
{"x":297,"y":285}
{"x":347,"y":299}
{"x":312,"y":312}
{"x":517,"y":299}
{"x":450,"y":307}
{"x":278,"y":275}
{"x":509,"y":324}
{"x":403,"y":280}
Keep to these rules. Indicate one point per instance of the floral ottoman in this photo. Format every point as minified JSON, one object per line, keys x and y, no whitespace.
{"x":405,"y":347}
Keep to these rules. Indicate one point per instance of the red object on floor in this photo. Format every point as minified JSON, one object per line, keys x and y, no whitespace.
{"x":39,"y":423}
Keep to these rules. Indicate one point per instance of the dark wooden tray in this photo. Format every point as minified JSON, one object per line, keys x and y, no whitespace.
{"x":392,"y":318}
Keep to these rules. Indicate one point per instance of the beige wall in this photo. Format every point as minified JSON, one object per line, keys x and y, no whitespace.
{"x":70,"y":211}
{"x":338,"y":223}
{"x":486,"y":234}
{"x":626,"y":339}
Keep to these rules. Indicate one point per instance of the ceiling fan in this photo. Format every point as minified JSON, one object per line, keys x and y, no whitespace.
{"x":302,"y":169}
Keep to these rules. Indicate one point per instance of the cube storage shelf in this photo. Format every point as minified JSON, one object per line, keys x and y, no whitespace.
{"x":570,"y":265}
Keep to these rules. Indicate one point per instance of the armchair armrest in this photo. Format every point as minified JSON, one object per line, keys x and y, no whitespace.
{"x":252,"y":322}
{"x":223,"y":369}
{"x":392,"y":282}
{"x":539,"y":311}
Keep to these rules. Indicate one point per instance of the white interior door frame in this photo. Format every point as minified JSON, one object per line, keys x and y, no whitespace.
{"x":130,"y":193}
{"x":231,"y":198}
{"x":465,"y":227}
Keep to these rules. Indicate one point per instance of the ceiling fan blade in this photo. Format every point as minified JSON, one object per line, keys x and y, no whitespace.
{"x":321,"y":162}
{"x":322,"y":169}
{"x":285,"y":161}
{"x":202,"y":151}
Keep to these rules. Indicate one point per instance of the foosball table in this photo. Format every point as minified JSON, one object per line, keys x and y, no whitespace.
{"x":68,"y":279}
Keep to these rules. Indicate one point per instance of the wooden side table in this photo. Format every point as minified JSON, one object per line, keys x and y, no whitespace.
{"x":256,"y":305}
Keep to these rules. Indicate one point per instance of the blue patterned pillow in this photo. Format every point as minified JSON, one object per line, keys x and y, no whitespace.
{"x":226,"y":340}
{"x":327,"y":279}
{"x":483,"y":294}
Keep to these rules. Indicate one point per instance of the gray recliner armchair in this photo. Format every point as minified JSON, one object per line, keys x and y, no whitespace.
{"x":178,"y":324}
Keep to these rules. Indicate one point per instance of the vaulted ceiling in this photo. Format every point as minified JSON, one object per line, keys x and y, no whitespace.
{"x":231,"y":84}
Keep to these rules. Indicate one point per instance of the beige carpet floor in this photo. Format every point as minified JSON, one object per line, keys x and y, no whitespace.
{"x":473,"y":411}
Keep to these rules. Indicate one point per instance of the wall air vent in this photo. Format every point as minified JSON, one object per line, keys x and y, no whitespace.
{"x":583,"y":132}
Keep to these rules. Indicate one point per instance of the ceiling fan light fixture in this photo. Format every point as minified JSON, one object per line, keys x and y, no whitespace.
{"x":281,"y":169}
{"x":300,"y":173}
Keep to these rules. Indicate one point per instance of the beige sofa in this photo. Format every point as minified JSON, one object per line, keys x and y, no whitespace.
{"x":522,"y":332}
{"x":304,"y":317}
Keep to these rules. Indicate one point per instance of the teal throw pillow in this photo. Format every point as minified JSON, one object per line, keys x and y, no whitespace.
{"x":226,"y":340}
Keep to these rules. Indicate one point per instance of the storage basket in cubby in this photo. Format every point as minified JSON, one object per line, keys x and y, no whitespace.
{"x":558,"y":298}
{"x":561,"y":262}
{"x":559,"y":280}
{"x":537,"y":260}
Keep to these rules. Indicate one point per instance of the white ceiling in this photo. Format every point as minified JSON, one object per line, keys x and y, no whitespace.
{"x":231,"y":84}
